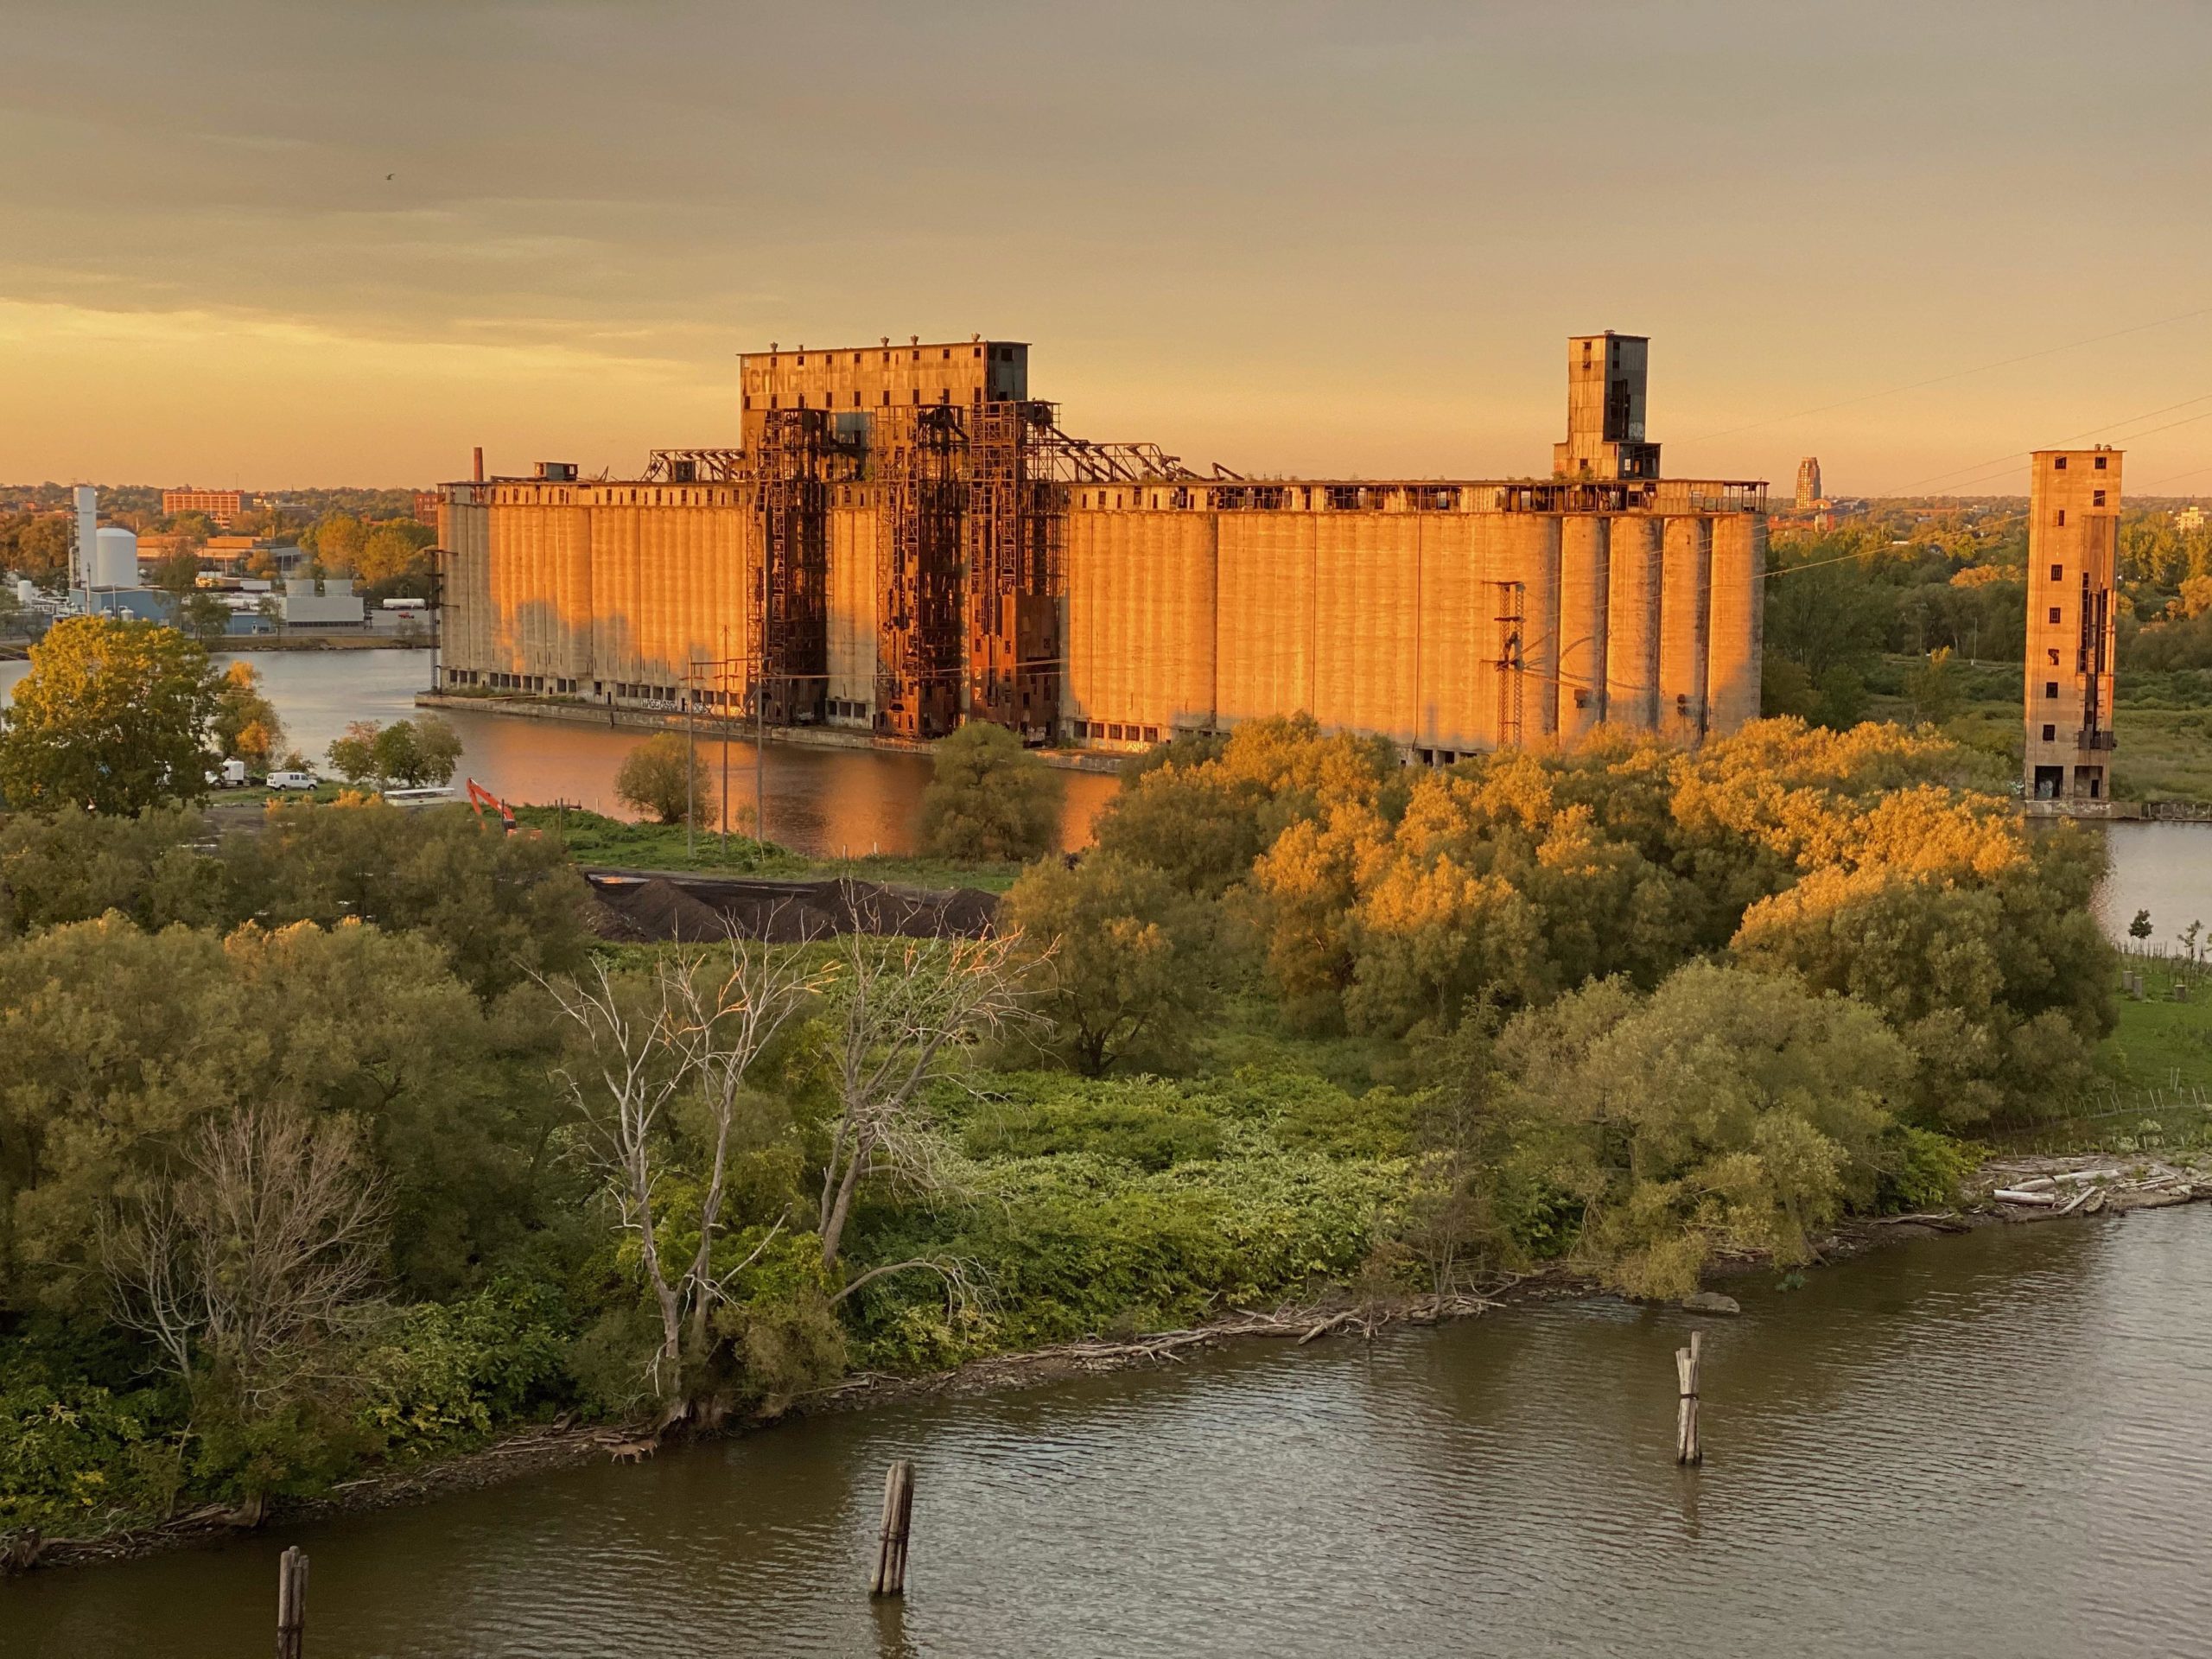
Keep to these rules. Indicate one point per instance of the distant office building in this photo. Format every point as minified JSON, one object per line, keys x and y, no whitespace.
{"x":426,"y":507}
{"x":222,"y":506}
{"x":2073,"y":550}
{"x":1809,"y":483}
{"x":331,"y":603}
{"x":2190,"y":519}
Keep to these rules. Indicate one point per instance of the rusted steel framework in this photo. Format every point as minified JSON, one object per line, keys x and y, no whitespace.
{"x":1014,"y":534}
{"x":787,"y":609}
{"x":917,"y":459}
{"x":1511,"y":624}
{"x":697,"y":467}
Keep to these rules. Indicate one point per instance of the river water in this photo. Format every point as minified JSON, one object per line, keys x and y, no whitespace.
{"x":833,"y":802}
{"x":1989,"y":1445}
{"x":830,"y":803}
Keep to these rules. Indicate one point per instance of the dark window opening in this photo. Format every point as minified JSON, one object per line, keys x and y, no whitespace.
{"x":2059,"y":573}
{"x":2061,"y":518}
{"x":2051,"y":687}
{"x":2054,"y":613}
{"x":2096,"y":498}
{"x":2050,"y":734}
{"x":2059,"y":465}
{"x":2101,"y":462}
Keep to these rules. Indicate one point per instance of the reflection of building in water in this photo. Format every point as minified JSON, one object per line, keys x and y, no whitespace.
{"x":2073,"y":549}
{"x":907,"y":539}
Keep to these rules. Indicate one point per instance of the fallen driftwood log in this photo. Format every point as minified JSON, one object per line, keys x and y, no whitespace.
{"x":2023,"y":1195}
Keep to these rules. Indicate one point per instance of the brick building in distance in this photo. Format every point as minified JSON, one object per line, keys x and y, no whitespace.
{"x":222,"y":507}
{"x":2073,"y":555}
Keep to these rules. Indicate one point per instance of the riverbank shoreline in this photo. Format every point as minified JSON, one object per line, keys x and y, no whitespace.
{"x":655,"y":719}
{"x":2079,"y":1187}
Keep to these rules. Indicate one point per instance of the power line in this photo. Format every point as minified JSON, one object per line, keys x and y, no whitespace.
{"x":2020,"y":455}
{"x":1955,"y":374}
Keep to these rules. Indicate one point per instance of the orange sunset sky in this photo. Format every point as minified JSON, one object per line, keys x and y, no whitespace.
{"x":290,"y":244}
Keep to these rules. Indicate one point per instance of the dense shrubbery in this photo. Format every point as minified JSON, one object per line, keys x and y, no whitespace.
{"x":1391,"y":903}
{"x":1624,"y":1008}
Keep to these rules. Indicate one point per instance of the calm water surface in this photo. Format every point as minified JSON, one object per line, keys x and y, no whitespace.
{"x":828,"y":802}
{"x":1991,"y":1445}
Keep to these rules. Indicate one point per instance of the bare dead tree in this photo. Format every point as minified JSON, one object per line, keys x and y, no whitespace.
{"x":729,"y":1017}
{"x":257,"y":1252}
{"x":910,"y":1012}
{"x":697,"y":1025}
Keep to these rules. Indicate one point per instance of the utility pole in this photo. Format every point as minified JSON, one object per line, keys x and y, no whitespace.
{"x":723,"y":665}
{"x":690,"y":763}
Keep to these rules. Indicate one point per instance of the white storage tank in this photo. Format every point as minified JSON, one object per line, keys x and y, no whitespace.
{"x":114,"y":563}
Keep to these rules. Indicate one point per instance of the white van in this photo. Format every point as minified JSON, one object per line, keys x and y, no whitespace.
{"x":293,"y":780}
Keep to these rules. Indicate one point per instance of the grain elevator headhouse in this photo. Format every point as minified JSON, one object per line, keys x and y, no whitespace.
{"x":907,"y":539}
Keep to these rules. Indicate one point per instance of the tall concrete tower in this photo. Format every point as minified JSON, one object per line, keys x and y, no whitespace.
{"x":2073,"y":554}
{"x":1606,"y":376}
{"x":1809,"y":483}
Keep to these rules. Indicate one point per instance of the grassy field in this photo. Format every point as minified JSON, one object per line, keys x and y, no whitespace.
{"x":2164,"y":720}
{"x":595,"y":840}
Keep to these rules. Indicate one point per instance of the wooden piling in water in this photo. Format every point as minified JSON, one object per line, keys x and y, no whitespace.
{"x":890,"y":1578}
{"x":291,"y":1604}
{"x":1687,"y":1448}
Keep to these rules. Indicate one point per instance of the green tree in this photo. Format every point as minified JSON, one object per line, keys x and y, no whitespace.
{"x":113,"y":715}
{"x":1972,"y":938}
{"x":1842,"y":701}
{"x":666,"y":780}
{"x":417,"y":752}
{"x":408,"y":752}
{"x":1118,"y":959}
{"x":1190,"y":819}
{"x":71,"y":866}
{"x":988,"y":797}
{"x":178,"y":575}
{"x":336,"y":541}
{"x":1933,"y":688}
{"x":354,"y":756}
{"x":203,"y":616}
{"x":1786,"y":688}
{"x":501,"y":907}
{"x":2140,"y":927}
{"x":117,"y":1046}
{"x":1728,"y":1111}
{"x":246,"y":725}
{"x":43,"y":551}
{"x":394,"y":553}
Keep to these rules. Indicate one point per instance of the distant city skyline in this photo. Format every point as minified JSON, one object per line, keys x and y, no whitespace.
{"x":283,"y":245}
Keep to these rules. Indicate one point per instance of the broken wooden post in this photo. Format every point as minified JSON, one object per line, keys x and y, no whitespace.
{"x":890,"y":1578}
{"x":291,"y":1604}
{"x":1687,"y":1449}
